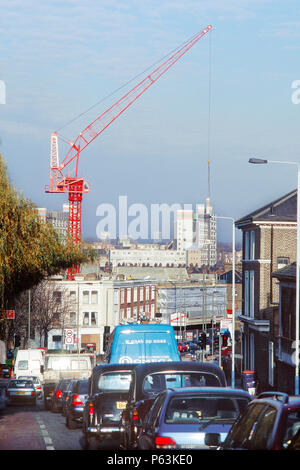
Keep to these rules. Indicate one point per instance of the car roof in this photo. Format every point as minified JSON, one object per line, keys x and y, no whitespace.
{"x":223,"y":391}
{"x":178,"y":366}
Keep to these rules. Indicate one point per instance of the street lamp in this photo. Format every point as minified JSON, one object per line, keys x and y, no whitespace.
{"x":261,"y":161}
{"x":233,"y":300}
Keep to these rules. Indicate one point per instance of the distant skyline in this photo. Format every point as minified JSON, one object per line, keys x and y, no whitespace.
{"x":231,"y":97}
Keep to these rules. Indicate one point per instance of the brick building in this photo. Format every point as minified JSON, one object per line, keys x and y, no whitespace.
{"x":269,"y":243}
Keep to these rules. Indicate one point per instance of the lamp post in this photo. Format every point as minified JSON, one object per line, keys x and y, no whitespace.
{"x":232,"y":300}
{"x":262,"y":161}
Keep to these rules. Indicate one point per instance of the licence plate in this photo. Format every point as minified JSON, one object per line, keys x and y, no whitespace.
{"x":20,"y":393}
{"x":121,"y":405}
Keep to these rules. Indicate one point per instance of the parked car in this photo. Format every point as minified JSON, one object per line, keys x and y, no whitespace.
{"x":20,"y":391}
{"x":180,"y":418}
{"x":75,"y":404}
{"x":182,"y":347}
{"x":48,"y":394}
{"x":151,"y":379}
{"x":268,"y":423}
{"x":191,"y":346}
{"x":5,"y":372}
{"x":108,"y":394}
{"x":56,"y":401}
{"x":66,"y":396}
{"x":37,"y":384}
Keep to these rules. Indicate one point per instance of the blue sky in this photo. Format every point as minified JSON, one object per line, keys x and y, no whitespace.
{"x":58,"y":58}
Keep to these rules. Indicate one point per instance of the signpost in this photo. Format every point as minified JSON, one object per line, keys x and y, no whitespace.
{"x":9,"y":314}
{"x":69,"y":336}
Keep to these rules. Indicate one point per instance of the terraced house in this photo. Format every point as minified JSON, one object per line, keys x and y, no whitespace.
{"x":269,"y":244}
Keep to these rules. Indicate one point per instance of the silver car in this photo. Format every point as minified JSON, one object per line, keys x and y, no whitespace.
{"x":20,"y":391}
{"x":180,"y":418}
{"x":36,"y":382}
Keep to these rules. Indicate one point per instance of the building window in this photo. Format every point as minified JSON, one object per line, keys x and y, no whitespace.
{"x":282,"y":262}
{"x":246,"y":245}
{"x":129,"y":295}
{"x":249,"y":293}
{"x":90,"y":318}
{"x":94,"y":297}
{"x":73,"y":297}
{"x":122,"y":296}
{"x":85,"y":297}
{"x":147,"y":292}
{"x":57,"y":296}
{"x":94,"y":318}
{"x":72,"y":318}
{"x":252,"y":245}
{"x":152,"y":292}
{"x":135,"y":294}
{"x":246,"y":294}
{"x":128,"y":313}
{"x":141,"y":294}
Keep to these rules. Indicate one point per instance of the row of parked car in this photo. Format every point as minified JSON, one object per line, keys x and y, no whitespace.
{"x":176,"y":405}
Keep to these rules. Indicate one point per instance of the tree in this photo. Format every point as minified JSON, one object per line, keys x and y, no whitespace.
{"x":49,"y":308}
{"x":30,"y":250}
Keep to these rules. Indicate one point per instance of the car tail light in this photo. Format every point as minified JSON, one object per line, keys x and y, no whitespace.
{"x":58,"y":394}
{"x":7,"y":393}
{"x":39,"y":388}
{"x":91,"y":409}
{"x":135,"y":415}
{"x":162,"y":442}
{"x":33,"y":392}
{"x":76,"y":400}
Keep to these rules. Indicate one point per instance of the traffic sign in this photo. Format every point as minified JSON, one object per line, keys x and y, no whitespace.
{"x":9,"y":314}
{"x":69,"y":336}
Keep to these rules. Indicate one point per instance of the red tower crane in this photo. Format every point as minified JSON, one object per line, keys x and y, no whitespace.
{"x":75,"y":185}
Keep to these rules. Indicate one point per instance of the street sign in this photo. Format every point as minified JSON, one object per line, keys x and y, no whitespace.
{"x":10,"y":314}
{"x":69,"y":336}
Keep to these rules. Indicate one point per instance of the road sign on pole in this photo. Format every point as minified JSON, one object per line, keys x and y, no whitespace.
{"x":69,"y":336}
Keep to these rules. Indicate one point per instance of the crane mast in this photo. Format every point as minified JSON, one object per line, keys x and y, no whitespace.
{"x":74,"y":185}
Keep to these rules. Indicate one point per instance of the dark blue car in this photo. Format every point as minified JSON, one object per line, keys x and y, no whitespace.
{"x":180,"y":418}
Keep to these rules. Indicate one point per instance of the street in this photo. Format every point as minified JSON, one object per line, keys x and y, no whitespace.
{"x":24,"y":427}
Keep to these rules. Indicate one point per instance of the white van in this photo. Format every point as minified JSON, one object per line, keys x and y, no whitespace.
{"x":29,"y":362}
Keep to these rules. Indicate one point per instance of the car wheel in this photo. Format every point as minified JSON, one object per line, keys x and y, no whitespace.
{"x":91,"y":442}
{"x":71,"y":423}
{"x":54,"y":408}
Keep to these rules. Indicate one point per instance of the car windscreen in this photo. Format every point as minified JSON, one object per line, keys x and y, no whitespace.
{"x":35,"y":380}
{"x":157,"y":382}
{"x":23,"y":365}
{"x":112,"y":381}
{"x":199,"y":409}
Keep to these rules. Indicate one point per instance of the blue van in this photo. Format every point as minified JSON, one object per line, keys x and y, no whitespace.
{"x":142,"y":343}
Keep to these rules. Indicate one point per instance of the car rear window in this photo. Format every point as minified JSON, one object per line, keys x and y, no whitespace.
{"x":198,"y":409}
{"x":157,"y":382}
{"x":20,"y":384}
{"x":83,"y":387}
{"x":115,"y":381}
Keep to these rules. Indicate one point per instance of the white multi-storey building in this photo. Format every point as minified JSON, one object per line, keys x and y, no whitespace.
{"x":92,"y":308}
{"x":148,"y":257}
{"x":197,"y":231}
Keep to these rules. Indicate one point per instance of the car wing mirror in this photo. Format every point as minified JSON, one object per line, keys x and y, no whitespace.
{"x":212,"y":439}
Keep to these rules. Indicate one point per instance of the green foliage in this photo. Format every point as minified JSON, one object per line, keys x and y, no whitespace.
{"x":30,"y":250}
